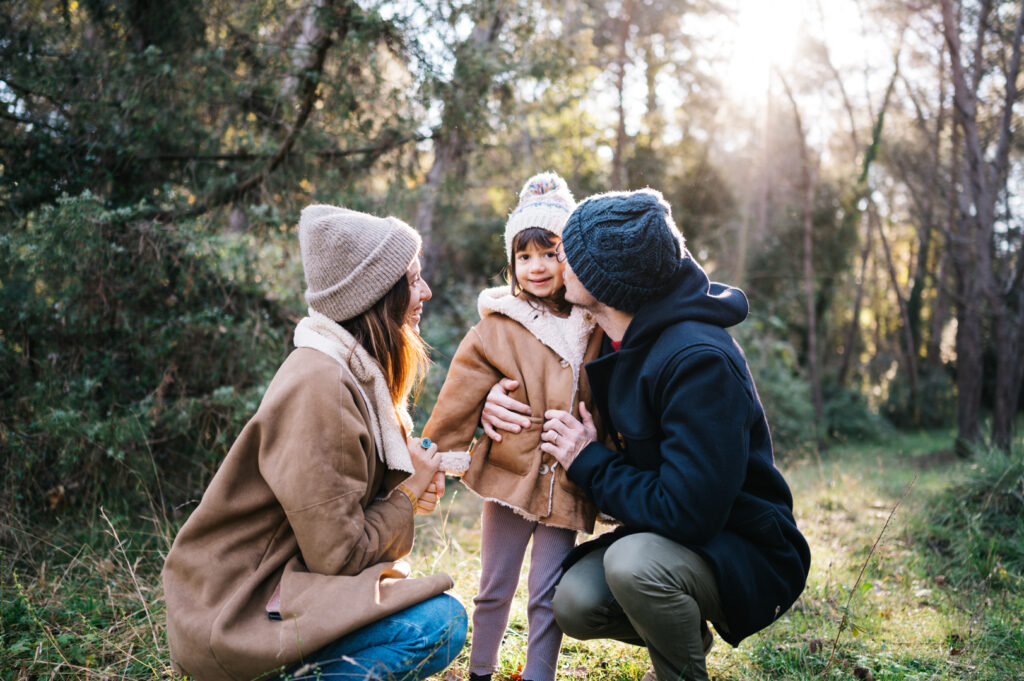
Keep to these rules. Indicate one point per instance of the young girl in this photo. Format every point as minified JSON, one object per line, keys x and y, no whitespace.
{"x":529,"y":333}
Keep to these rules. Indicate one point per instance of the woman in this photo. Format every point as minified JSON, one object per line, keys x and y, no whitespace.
{"x":288,"y":565}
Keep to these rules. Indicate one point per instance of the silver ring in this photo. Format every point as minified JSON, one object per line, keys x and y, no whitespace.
{"x":556,"y":439}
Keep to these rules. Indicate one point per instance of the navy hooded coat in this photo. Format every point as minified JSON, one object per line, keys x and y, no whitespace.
{"x":694,"y":461}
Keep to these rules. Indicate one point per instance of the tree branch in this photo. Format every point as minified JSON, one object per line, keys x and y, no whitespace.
{"x":389,"y":141}
{"x":309,"y":82}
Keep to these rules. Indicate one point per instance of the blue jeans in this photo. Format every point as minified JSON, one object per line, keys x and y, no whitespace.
{"x":410,"y":645}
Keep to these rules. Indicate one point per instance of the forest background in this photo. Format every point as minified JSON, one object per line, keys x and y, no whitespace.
{"x":856,"y":166}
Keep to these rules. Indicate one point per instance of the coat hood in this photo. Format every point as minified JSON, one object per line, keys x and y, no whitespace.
{"x":693,"y":298}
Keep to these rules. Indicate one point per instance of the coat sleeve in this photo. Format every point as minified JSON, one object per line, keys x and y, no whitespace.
{"x":314,"y":455}
{"x":704,"y":410}
{"x":460,"y":403}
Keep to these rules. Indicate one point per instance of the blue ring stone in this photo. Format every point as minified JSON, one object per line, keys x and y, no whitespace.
{"x":425,"y":443}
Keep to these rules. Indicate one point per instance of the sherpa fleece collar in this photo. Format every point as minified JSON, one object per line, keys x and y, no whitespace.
{"x":566,"y":336}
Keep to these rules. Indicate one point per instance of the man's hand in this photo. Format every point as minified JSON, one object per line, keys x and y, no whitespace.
{"x":502,"y":412}
{"x":564,"y":437}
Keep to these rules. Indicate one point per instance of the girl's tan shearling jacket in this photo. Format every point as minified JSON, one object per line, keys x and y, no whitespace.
{"x":302,"y":501}
{"x":546,"y":354}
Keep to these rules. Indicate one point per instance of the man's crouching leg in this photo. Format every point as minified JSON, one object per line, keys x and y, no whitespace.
{"x":584,"y":606}
{"x":667,"y":592}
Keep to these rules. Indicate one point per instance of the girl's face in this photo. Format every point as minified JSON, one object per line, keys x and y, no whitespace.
{"x":418,"y":293}
{"x":538,"y":270}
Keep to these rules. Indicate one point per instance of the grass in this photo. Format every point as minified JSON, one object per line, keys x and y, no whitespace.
{"x":938,"y":595}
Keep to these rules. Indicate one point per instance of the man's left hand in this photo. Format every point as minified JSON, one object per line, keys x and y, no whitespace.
{"x":564,"y":437}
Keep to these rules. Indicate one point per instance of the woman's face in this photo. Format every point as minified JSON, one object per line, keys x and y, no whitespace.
{"x":538,"y":270}
{"x":418,"y":292}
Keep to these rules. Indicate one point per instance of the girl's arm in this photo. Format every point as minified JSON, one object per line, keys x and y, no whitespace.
{"x":456,"y":415}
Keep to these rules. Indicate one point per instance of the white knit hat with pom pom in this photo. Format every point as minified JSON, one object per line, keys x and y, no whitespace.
{"x":546,"y":202}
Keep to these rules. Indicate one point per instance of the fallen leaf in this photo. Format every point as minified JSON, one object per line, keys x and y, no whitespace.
{"x":55,"y":496}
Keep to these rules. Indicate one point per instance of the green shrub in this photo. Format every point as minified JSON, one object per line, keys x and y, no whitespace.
{"x":936,"y":404}
{"x":127,"y":355}
{"x":784,"y":391}
{"x":978,"y":525}
{"x":849,"y":417}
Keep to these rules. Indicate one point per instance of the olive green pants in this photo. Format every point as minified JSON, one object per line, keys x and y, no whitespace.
{"x":647,"y":590}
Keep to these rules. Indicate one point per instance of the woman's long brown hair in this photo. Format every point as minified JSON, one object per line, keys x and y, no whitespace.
{"x":383,"y":332}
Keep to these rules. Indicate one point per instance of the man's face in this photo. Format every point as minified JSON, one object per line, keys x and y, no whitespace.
{"x":574,"y":291}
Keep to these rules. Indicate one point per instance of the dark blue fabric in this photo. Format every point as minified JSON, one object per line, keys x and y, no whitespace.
{"x":624,"y":247}
{"x":694,"y":460}
{"x":412,"y":644}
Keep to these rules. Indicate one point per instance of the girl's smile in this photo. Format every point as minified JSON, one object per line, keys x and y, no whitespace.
{"x":538,"y":270}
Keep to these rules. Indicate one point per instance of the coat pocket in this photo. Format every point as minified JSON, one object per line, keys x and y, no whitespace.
{"x":518,"y":452}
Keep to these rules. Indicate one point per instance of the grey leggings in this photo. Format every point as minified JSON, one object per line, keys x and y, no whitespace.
{"x":505,"y":535}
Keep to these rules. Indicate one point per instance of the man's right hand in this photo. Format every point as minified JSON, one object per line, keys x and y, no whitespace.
{"x":502,"y":412}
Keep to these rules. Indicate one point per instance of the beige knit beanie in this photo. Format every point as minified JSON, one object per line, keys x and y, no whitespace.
{"x":352,"y":259}
{"x":544,"y":201}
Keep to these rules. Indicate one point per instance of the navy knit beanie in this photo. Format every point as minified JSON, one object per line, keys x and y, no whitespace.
{"x":624,"y":247}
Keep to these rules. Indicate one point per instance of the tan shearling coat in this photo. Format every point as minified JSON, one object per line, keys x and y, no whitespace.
{"x":545,"y":353}
{"x":302,"y":501}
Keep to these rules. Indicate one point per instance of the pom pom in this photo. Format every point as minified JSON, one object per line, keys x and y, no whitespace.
{"x":544,"y":183}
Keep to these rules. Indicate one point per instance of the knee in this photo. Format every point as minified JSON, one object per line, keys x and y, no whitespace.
{"x":454,"y":614}
{"x":572,"y":604}
{"x":627,"y":564}
{"x":445,"y":640}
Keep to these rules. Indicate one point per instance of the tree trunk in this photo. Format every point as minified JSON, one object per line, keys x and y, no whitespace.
{"x":850,"y":346}
{"x":451,"y":139}
{"x":910,"y":350}
{"x":446,"y":150}
{"x":1009,"y":334}
{"x":984,"y":180}
{"x":968,"y":379}
{"x":807,"y":182}
{"x":618,"y":178}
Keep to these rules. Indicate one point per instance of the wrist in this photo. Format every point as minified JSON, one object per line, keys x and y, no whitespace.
{"x":413,"y":497}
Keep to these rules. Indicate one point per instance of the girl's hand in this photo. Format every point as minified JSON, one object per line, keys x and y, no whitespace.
{"x":503,"y":412}
{"x":425,"y":463}
{"x":428,"y":500}
{"x":564,"y":437}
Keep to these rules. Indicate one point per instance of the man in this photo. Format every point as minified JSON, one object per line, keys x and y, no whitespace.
{"x":707,"y":528}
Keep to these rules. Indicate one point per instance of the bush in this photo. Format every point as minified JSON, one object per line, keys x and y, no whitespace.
{"x":126,"y":355}
{"x":936,"y":404}
{"x":978,"y":525}
{"x":849,"y":417}
{"x":784,"y":391}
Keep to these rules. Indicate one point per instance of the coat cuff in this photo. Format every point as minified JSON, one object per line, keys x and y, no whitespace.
{"x":455,"y":463}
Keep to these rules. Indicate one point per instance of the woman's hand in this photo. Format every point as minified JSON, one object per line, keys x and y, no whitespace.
{"x":425,"y":464}
{"x":503,"y":412}
{"x":564,"y":437}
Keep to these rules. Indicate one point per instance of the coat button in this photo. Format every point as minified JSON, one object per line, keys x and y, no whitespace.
{"x":544,"y":470}
{"x":564,"y":363}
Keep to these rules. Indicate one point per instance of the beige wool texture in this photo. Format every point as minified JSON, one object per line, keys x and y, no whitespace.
{"x":351,"y":259}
